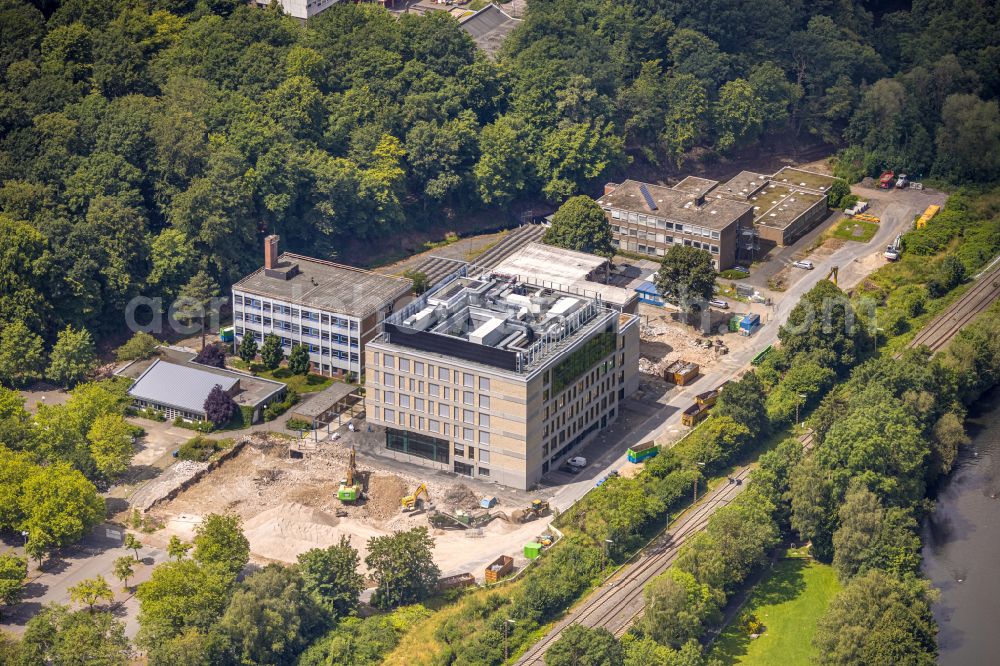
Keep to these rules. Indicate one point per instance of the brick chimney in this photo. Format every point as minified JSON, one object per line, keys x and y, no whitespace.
{"x":271,"y":251}
{"x":610,"y":187}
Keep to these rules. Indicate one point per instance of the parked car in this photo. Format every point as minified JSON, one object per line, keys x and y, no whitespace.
{"x":804,"y":263}
{"x":570,"y":469}
{"x":716,"y":303}
{"x":578,"y":461}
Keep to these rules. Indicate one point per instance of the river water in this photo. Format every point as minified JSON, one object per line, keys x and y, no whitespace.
{"x":962,"y":545}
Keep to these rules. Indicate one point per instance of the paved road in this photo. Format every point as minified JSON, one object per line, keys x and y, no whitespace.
{"x":616,"y":603}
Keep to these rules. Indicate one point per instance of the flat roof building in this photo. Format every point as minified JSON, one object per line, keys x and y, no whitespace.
{"x":578,"y":272}
{"x":492,"y":377}
{"x":648,"y":219}
{"x":301,"y":9}
{"x":331,"y":308}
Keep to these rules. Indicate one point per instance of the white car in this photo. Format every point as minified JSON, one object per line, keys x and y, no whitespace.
{"x":578,"y":461}
{"x":716,"y":303}
{"x":803,"y":263}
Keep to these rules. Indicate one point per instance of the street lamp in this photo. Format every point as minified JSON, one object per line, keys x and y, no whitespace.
{"x":695,"y":483}
{"x":506,"y":629}
{"x":24,"y":533}
{"x":604,"y":552}
{"x":802,"y":399}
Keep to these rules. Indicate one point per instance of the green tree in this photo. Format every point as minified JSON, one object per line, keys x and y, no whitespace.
{"x":178,"y":596}
{"x":686,"y":276}
{"x":271,"y":618}
{"x":738,"y":115}
{"x":22,"y":357}
{"x":59,"y":506}
{"x":403,"y":567}
{"x":824,"y":324}
{"x":13,"y":574}
{"x":419,"y":279}
{"x":247,"y":350}
{"x":502,"y":173}
{"x":684,"y":116}
{"x":813,"y":507}
{"x":331,"y":576}
{"x":583,"y":646}
{"x":57,"y":635}
{"x":111,"y":445}
{"x":132,"y":543}
{"x":90,"y":591}
{"x":16,"y":424}
{"x":298,"y":360}
{"x":72,"y":357}
{"x":271,"y":354}
{"x":220,"y":542}
{"x":744,"y":402}
{"x":124,"y":568}
{"x":878,"y":619}
{"x":197,"y":301}
{"x":968,"y":140}
{"x":177,"y":549}
{"x":678,"y":608}
{"x":837,"y":192}
{"x":580,"y":224}
{"x":139,"y":346}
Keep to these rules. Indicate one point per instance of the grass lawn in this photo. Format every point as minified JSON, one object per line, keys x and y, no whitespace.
{"x":301,"y":383}
{"x":789,"y":602}
{"x":854,"y":230}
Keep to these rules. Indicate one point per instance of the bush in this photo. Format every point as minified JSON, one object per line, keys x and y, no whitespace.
{"x":201,"y":448}
{"x":151,"y":414}
{"x":213,"y":355}
{"x":140,"y":346}
{"x":733,"y":274}
{"x":200,"y":426}
{"x":298,"y":424}
{"x":750,"y":624}
{"x":276,"y":409}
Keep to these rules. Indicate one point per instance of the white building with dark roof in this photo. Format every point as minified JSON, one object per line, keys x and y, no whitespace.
{"x":331,"y":308}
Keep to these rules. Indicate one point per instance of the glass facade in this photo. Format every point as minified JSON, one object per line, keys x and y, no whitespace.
{"x":416,"y":444}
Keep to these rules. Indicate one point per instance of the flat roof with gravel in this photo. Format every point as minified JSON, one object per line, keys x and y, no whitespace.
{"x":741,"y":186}
{"x":804,"y":179}
{"x":778,"y":205}
{"x":327,"y":286}
{"x":674,"y":205}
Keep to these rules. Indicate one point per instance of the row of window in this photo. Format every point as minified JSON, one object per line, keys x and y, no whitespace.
{"x":313,"y":349}
{"x":419,"y":423}
{"x":428,"y":406}
{"x":390,"y":380}
{"x":662,"y":238}
{"x":295,"y":328}
{"x":659,"y":223}
{"x":278,"y":308}
{"x":418,"y":368}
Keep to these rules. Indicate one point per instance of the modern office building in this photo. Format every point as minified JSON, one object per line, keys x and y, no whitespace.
{"x":648,"y":219}
{"x":491,"y":377}
{"x":332,"y":309}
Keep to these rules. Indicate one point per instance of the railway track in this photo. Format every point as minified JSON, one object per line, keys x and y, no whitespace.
{"x":619,"y":601}
{"x":943,"y":327}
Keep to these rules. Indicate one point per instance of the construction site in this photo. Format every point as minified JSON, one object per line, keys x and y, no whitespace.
{"x":292,"y":497}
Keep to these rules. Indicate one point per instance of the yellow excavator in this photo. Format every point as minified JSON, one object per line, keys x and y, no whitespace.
{"x":349,"y":490}
{"x":410,"y":501}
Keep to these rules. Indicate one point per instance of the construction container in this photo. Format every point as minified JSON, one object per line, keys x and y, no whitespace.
{"x":456,"y":581}
{"x":500,"y":567}
{"x":488,"y":502}
{"x":641,"y":452}
{"x":532,"y":550}
{"x":680,"y":372}
{"x":759,"y":358}
{"x":749,"y":324}
{"x":226,"y":334}
{"x":694,"y":415}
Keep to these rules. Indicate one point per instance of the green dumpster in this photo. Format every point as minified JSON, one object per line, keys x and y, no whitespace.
{"x":532,"y":550}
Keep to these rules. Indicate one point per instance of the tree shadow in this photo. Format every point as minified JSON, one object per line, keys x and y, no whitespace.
{"x":783,"y":583}
{"x":34,"y":589}
{"x":139,"y":473}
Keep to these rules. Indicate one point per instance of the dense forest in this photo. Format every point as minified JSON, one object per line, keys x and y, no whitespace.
{"x":147,"y":144}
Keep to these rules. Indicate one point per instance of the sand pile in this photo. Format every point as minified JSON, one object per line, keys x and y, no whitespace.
{"x":289,"y":529}
{"x":384,"y":497}
{"x":461,"y":497}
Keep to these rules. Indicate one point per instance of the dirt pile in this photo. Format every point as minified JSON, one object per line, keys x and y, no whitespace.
{"x":385,"y":494}
{"x":461,"y":497}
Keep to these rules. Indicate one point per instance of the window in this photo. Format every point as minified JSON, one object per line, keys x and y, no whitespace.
{"x":389,"y":397}
{"x":467,"y":380}
{"x":404,"y":365}
{"x":468,"y":398}
{"x":484,"y":383}
{"x":389,"y":415}
{"x":463,"y":469}
{"x":433,"y":426}
{"x":388,"y":379}
{"x":484,"y":420}
{"x":443,"y":374}
{"x":415,"y":444}
{"x":467,"y":434}
{"x":484,"y":440}
{"x":433,"y":390}
{"x":459,"y":449}
{"x":389,"y":361}
{"x":616,"y":214}
{"x":404,"y":400}
{"x":418,"y":368}
{"x":442,"y":410}
{"x":418,"y":404}
{"x":484,"y":402}
{"x":715,"y":235}
{"x":467,"y":416}
{"x":484,"y":471}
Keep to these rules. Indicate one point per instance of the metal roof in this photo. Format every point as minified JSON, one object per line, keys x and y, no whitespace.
{"x":180,"y":386}
{"x":325,"y":399}
{"x":648,"y":287}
